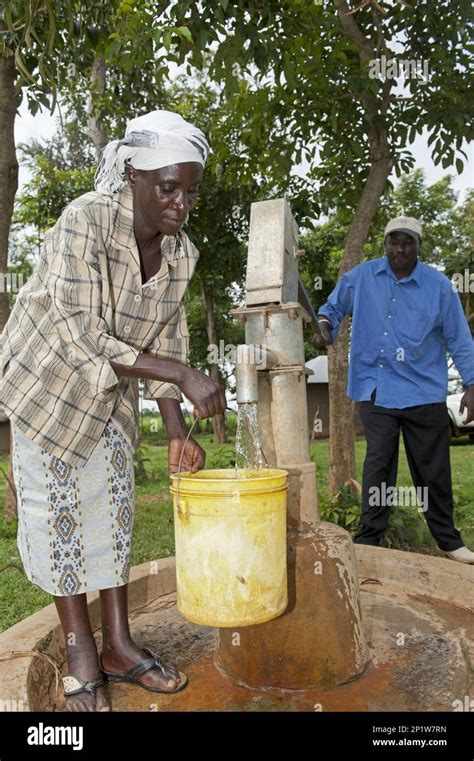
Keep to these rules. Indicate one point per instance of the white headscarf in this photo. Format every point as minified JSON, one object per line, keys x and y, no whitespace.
{"x":151,"y":141}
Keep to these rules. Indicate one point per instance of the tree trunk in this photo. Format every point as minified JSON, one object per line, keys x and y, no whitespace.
{"x":97,"y":86}
{"x":8,"y":188}
{"x":341,"y":424}
{"x":341,"y":408}
{"x":218,"y":421}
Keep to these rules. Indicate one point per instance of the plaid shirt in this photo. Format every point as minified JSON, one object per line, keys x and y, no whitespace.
{"x":84,"y":305}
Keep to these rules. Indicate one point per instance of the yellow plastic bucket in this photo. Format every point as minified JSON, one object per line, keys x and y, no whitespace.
{"x":230,"y":538}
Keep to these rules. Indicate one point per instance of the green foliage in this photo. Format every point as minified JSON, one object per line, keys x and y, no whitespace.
{"x":302,"y":86}
{"x":55,"y":46}
{"x":295,"y":81}
{"x":223,"y":457}
{"x":406,"y":528}
{"x":463,"y":512}
{"x":59,"y":173}
{"x":140,"y":457}
{"x":21,"y":261}
{"x":126,"y":38}
{"x":61,"y":169}
{"x":50,"y":190}
{"x":344,"y":513}
{"x":231,"y":423}
{"x":30,"y":37}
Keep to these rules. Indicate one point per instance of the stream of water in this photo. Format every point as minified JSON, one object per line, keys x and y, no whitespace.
{"x":248,"y":447}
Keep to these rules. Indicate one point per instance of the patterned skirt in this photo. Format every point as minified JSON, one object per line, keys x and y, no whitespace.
{"x":75,"y":523}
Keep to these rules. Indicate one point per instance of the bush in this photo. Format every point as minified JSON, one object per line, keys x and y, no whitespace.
{"x":343,"y":509}
{"x":224,"y":457}
{"x":463,"y":512}
{"x":406,"y":526}
{"x":139,"y":459}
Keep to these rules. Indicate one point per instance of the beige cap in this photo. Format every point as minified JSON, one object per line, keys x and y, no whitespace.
{"x":408,"y":225}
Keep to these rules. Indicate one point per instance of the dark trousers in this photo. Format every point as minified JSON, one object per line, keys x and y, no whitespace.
{"x":426,"y":435}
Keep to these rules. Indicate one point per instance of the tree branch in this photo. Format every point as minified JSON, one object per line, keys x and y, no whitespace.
{"x":380,"y":38}
{"x":351,"y":29}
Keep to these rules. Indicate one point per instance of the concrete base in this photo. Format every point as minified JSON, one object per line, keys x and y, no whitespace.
{"x":319,"y":640}
{"x":417,"y":613}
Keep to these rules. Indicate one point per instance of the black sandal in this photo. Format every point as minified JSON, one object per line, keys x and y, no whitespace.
{"x":133,"y":675}
{"x":73,"y":685}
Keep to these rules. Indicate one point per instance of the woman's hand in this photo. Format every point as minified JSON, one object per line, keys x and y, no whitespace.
{"x":194,"y":456}
{"x":208,"y":398}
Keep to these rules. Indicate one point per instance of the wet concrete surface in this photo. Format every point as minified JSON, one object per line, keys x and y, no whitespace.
{"x":422,"y":659}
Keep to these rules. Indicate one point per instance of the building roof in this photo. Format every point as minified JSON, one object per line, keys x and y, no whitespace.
{"x":319,"y":366}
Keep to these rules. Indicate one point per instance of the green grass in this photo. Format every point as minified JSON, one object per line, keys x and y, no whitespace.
{"x":153,"y":535}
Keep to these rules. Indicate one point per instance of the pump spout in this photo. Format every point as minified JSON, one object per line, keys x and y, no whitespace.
{"x":250,"y":359}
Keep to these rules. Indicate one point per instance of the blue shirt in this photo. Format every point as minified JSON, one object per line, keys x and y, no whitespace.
{"x":401,"y":330}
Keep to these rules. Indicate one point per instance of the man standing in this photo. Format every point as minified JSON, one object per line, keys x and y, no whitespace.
{"x":405,"y":314}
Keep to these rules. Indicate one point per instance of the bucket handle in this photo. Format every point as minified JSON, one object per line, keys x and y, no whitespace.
{"x":184,"y":447}
{"x":181,"y":459}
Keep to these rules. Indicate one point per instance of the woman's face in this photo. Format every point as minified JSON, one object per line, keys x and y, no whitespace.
{"x":163,"y":198}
